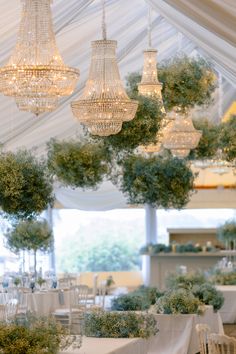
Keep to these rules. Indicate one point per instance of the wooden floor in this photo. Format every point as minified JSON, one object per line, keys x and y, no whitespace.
{"x":230,"y":330}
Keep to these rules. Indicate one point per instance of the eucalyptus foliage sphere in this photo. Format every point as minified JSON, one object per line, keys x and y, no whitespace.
{"x":228,"y":139}
{"x":77,"y":164}
{"x":159,"y":181}
{"x":142,"y":130}
{"x":209,"y":141}
{"x":25,"y":186}
{"x":186,"y":82}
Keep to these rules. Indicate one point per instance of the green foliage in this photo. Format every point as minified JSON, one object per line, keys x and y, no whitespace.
{"x":29,"y":235}
{"x":119,"y":325}
{"x":78,"y":164}
{"x":188,"y":247}
{"x":227,"y":232}
{"x":209,"y":142}
{"x":186,"y":82}
{"x":98,"y":251}
{"x":178,"y":301}
{"x":132,"y":81}
{"x":224,"y":278}
{"x":149,"y":293}
{"x":130,"y":302}
{"x":25,"y":186}
{"x":158,"y":181}
{"x":142,"y":130}
{"x":186,"y":281}
{"x":208,"y":295}
{"x":34,"y":336}
{"x":228,"y":138}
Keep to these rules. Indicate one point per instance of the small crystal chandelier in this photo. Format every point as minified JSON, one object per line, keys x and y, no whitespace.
{"x":35,"y":73}
{"x":182,"y":136}
{"x":104,"y":104}
{"x":149,"y":85}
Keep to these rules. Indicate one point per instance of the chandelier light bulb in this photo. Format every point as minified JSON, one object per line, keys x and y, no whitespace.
{"x":35,"y":74}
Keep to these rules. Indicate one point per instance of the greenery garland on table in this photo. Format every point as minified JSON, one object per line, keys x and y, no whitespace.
{"x":25,"y":185}
{"x":33,"y":336}
{"x":138,"y":300}
{"x":179,"y":248}
{"x":209,"y":295}
{"x":178,"y":301}
{"x":228,"y":278}
{"x":156,"y":180}
{"x":78,"y":164}
{"x":187,"y":281}
{"x":103,"y":324}
{"x":30,"y":235}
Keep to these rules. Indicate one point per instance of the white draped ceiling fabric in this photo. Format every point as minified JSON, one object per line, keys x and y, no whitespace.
{"x":192,"y":27}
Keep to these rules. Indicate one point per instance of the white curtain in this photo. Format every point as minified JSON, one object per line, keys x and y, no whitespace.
{"x":211,"y":25}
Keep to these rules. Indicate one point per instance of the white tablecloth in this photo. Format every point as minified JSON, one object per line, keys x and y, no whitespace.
{"x":44,"y":303}
{"x":111,"y":346}
{"x":177,"y":333}
{"x":228,"y":310}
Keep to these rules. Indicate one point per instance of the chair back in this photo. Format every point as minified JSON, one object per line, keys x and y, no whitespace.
{"x":203,"y":330}
{"x":79,"y":296}
{"x":63,"y":283}
{"x":221,"y":344}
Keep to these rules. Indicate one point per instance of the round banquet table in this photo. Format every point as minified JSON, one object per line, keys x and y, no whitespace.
{"x":177,"y":333}
{"x":228,"y":310}
{"x":45,"y":302}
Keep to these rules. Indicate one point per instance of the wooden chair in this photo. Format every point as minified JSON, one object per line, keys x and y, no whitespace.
{"x":221,"y":344}
{"x":92,"y":296}
{"x":72,"y":317}
{"x":203,"y":330}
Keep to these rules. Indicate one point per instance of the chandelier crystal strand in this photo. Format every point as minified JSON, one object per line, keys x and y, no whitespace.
{"x":182,"y":136}
{"x":104,"y":104}
{"x":35,"y":73}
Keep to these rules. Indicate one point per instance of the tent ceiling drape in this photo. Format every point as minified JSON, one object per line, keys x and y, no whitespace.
{"x":77,"y":23}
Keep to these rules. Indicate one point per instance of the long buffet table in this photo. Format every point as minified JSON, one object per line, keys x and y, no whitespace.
{"x":177,"y":333}
{"x":110,"y":346}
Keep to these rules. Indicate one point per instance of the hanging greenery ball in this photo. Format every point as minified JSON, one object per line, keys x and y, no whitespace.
{"x":186,"y":82}
{"x":227,"y":232}
{"x":78,"y":164}
{"x":163,"y":182}
{"x":142,"y":130}
{"x":228,"y":139}
{"x":25,"y":185}
{"x":209,"y":142}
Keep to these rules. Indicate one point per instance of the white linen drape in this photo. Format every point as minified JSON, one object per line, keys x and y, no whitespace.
{"x":210,"y":25}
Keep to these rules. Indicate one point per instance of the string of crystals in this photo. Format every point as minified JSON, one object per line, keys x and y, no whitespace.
{"x":151,"y":87}
{"x":35,"y":73}
{"x":182,"y":136}
{"x":104,"y":104}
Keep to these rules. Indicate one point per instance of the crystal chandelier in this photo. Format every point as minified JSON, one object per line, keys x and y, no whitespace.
{"x":104,"y":104}
{"x":35,"y":73}
{"x":182,"y":136}
{"x":151,"y":87}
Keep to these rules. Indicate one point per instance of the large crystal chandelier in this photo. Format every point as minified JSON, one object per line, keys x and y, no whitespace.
{"x":104,"y":104}
{"x":182,"y":136}
{"x":35,"y":73}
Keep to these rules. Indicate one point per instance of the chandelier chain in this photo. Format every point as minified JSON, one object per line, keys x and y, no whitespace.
{"x":104,"y":27}
{"x":150,"y":27}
